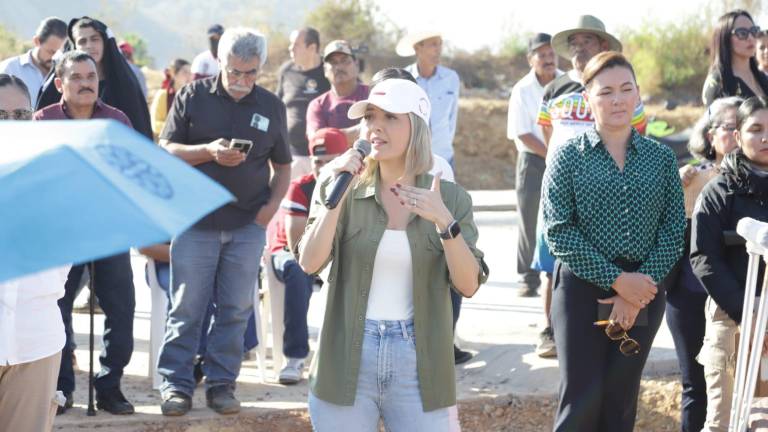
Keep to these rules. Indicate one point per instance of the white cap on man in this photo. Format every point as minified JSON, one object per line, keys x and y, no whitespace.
{"x":397,"y":96}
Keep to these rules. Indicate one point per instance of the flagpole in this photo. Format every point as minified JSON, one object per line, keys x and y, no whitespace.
{"x":91,"y":302}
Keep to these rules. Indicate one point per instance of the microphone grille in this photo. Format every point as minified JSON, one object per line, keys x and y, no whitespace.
{"x":363,"y":146}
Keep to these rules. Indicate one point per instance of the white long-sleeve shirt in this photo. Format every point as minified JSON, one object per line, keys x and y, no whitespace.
{"x":31,"y":327}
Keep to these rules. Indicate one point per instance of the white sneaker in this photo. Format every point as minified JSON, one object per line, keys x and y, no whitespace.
{"x":292,"y":372}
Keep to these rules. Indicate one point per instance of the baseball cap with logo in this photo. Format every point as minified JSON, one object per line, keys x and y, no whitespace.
{"x":328,"y":141}
{"x":397,"y":96}
{"x":337,"y":46}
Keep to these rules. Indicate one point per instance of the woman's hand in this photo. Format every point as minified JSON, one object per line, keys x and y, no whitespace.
{"x":427,"y":203}
{"x":636,"y":288}
{"x":350,"y":161}
{"x":623,"y":312}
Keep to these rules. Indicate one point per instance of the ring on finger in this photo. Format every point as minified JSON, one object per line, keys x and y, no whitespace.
{"x":413,"y":202}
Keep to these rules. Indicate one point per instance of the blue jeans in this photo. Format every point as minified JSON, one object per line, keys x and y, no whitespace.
{"x":163,"y":273}
{"x":113,"y":288}
{"x":387,"y":387}
{"x":298,"y":291}
{"x":201,"y":261}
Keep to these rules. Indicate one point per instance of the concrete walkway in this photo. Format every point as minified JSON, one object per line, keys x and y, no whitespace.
{"x":498,"y":326}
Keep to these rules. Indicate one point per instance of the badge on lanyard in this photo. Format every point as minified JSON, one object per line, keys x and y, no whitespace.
{"x":259,"y":122}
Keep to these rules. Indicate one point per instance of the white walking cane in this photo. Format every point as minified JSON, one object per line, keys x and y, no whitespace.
{"x":748,"y":363}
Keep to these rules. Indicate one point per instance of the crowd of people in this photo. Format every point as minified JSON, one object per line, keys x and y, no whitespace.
{"x":622,"y":234}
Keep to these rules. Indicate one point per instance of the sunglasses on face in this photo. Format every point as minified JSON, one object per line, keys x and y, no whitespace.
{"x":18,"y":114}
{"x":237,"y":74}
{"x":616,"y":332}
{"x":743,"y":33}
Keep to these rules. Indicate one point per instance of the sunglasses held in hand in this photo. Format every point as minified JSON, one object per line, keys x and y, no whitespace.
{"x":616,"y":332}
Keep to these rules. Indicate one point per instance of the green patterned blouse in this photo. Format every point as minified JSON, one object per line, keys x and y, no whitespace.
{"x":595,"y":213}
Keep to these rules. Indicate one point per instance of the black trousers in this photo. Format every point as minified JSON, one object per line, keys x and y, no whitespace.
{"x":115,"y":294}
{"x":687,"y":321}
{"x":598,"y":385}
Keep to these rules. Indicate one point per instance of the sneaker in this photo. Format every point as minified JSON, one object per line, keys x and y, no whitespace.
{"x":292,"y":372}
{"x":61,"y":409}
{"x":460,"y":356}
{"x":113,"y":402}
{"x":546,"y":347}
{"x":221,"y":399}
{"x":175,"y":404}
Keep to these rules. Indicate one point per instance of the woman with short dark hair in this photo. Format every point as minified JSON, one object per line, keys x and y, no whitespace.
{"x":614,"y":220}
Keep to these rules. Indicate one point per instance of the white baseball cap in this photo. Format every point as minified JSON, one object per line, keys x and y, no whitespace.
{"x":397,"y":96}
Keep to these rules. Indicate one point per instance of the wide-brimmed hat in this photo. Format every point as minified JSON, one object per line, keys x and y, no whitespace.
{"x":405,"y":46}
{"x":585,"y":24}
{"x":397,"y":96}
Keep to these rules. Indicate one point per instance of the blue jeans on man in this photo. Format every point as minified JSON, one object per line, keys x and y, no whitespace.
{"x":298,"y":291}
{"x":201,"y":260}
{"x":163,"y":273}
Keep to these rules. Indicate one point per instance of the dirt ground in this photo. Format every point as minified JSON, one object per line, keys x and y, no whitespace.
{"x":658,"y":411}
{"x":485,"y":158}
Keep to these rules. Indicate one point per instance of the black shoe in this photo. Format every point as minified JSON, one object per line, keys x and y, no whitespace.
{"x":528,"y":291}
{"x":221,"y":399}
{"x":460,"y":356}
{"x":113,"y":402}
{"x":175,"y":404}
{"x":67,"y":405}
{"x":198,"y":371}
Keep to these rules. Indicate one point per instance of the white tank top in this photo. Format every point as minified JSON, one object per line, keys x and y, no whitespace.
{"x":391,"y":295}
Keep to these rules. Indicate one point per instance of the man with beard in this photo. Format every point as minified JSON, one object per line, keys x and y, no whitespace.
{"x":118,"y":86}
{"x":77,"y":78}
{"x":35,"y":64}
{"x":205,"y":64}
{"x":329,"y":110}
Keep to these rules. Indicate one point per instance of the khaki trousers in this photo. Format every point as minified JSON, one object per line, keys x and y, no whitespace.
{"x":27,"y":391}
{"x":718,"y":356}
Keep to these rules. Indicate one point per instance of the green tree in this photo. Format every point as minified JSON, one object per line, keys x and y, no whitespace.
{"x":9,"y":45}
{"x":140,"y":52}
{"x":669,"y":58}
{"x":352,"y":20}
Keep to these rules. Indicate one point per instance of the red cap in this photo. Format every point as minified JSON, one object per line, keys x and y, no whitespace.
{"x":126,"y":48}
{"x":328,"y":141}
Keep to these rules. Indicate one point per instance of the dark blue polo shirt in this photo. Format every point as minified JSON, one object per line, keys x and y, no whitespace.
{"x":203,"y":112}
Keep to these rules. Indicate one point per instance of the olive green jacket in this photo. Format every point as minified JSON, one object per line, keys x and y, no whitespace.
{"x":334,"y":370}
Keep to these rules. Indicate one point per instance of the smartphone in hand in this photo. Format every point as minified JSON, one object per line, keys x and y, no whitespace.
{"x":242,"y":145}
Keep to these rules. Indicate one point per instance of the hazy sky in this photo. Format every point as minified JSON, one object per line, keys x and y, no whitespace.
{"x":476,"y":23}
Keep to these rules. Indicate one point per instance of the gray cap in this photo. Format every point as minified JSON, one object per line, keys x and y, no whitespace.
{"x":538,"y":40}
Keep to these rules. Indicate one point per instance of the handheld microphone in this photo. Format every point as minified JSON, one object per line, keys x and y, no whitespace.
{"x":343,"y":180}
